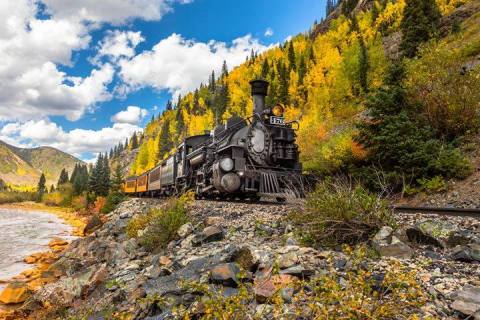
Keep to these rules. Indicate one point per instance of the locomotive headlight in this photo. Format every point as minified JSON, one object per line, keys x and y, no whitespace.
{"x":226,"y":164}
{"x":278,"y":110}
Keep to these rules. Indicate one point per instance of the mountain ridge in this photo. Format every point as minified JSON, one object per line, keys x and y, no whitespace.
{"x":23,"y":166}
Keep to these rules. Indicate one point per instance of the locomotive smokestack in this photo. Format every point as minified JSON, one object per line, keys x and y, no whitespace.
{"x":259,"y":91}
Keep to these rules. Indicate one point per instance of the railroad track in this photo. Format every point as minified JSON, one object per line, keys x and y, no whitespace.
{"x":474,"y":213}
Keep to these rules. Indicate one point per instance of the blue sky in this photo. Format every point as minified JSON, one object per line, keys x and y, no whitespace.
{"x":92,"y":73}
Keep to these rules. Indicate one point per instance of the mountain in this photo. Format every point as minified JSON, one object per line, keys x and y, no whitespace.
{"x":23,"y":166}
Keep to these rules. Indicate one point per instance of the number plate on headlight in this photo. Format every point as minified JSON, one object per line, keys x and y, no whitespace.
{"x":277,"y":120}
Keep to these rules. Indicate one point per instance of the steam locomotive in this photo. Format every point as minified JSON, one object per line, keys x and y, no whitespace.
{"x":246,"y":158}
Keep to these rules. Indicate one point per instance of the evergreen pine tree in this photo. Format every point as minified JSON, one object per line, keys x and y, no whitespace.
{"x":282,"y":83}
{"x":211,"y":83}
{"x":63,"y":178}
{"x":105,"y":174}
{"x":302,"y":70}
{"x":420,"y":23}
{"x":169,"y":105}
{"x":117,"y":179}
{"x":291,"y":56}
{"x":163,"y":140}
{"x":41,"y":187}
{"x":94,"y":178}
{"x":52,"y":189}
{"x":74,"y":172}
{"x":224,"y":70}
{"x":134,"y":141}
{"x":265,"y":69}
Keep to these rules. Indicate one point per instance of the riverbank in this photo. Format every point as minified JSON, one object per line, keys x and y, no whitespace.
{"x":21,"y":286}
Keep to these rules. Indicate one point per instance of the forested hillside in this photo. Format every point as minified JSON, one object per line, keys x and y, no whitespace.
{"x":416,"y":61}
{"x":23,"y":166}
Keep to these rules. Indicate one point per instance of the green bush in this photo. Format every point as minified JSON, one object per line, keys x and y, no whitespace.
{"x":62,"y":197}
{"x":340,"y":213}
{"x":400,"y":144}
{"x":114,"y":198}
{"x":159,"y":225}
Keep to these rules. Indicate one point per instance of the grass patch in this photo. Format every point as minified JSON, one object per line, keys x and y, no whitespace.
{"x":159,"y":226}
{"x":340,"y":213}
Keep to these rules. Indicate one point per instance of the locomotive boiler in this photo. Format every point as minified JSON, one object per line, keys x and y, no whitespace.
{"x":244,"y":158}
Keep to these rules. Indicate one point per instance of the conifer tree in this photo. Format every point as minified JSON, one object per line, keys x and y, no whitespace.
{"x":80,"y":180}
{"x":302,"y":70}
{"x":420,"y":23}
{"x":169,"y":105}
{"x":117,"y":179}
{"x":282,"y":83}
{"x":41,"y":187}
{"x":163,"y":140}
{"x":291,"y":56}
{"x":265,"y":69}
{"x":52,"y":189}
{"x":211,"y":83}
{"x":63,"y":178}
{"x":224,"y":70}
{"x":74,"y":172}
{"x":134,"y":141}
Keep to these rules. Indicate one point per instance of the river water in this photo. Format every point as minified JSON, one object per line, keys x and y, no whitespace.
{"x":23,"y":233}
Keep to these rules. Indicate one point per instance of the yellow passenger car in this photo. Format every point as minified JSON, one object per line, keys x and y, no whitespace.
{"x":130,"y":185}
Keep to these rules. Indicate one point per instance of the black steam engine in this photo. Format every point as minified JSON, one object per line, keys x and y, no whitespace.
{"x":245,"y":158}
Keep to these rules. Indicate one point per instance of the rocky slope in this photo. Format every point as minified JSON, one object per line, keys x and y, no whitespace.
{"x":107,"y":271}
{"x":23,"y":166}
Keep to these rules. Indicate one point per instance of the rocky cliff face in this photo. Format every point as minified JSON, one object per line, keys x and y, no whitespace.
{"x":108,"y":271}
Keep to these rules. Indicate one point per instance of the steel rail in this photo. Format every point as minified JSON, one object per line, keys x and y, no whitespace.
{"x":462,"y":212}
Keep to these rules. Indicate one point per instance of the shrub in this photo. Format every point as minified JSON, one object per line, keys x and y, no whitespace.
{"x":359,"y":293}
{"x":16,"y":196}
{"x":449,"y":97}
{"x":99,"y":204}
{"x":52,"y":199}
{"x":160,"y":225}
{"x":338,"y":213}
{"x":113,"y":199}
{"x":79,"y":203}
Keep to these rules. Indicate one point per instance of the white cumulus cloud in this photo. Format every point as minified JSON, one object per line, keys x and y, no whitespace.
{"x":38,"y":37}
{"x":180,"y":65}
{"x":132,"y":115}
{"x":118,"y":44}
{"x":76,"y":141}
{"x":268,"y":32}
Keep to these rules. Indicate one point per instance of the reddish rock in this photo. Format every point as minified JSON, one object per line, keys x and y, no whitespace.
{"x":15,"y":292}
{"x":225,"y":274}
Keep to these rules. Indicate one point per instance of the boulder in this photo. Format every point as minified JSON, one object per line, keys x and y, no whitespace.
{"x":15,"y":292}
{"x":225,"y":274}
{"x":388,"y":245}
{"x":440,"y":233}
{"x":467,"y":253}
{"x":467,"y":302}
{"x":93,"y":223}
{"x":209,"y":234}
{"x":185,"y":230}
{"x":245,"y":258}
{"x":298,"y":271}
{"x":288,"y":260}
